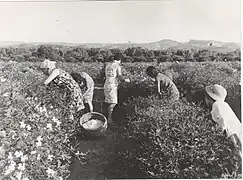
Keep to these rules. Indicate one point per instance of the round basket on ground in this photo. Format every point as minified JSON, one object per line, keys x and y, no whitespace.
{"x":94,"y":123}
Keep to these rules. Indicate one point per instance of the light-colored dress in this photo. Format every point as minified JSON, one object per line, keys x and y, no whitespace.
{"x":88,"y":91}
{"x":167,"y":85}
{"x":224,"y":116}
{"x":112,"y":70}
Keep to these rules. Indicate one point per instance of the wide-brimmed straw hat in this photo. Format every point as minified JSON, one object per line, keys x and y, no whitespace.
{"x":217,"y":92}
{"x":48,"y":64}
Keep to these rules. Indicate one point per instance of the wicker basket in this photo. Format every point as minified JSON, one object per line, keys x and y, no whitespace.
{"x":94,"y":115}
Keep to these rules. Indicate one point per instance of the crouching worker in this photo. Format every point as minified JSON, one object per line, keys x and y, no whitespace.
{"x":86,"y":84}
{"x":64,"y":81}
{"x":163,"y":83}
{"x":112,"y":75}
{"x":223,"y":115}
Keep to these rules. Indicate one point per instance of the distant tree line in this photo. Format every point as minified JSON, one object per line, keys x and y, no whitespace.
{"x":133,"y":54}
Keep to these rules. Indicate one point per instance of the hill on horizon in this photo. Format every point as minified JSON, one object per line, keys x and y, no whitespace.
{"x":159,"y":45}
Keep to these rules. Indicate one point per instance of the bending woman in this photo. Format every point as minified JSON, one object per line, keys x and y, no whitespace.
{"x":86,"y":84}
{"x":163,"y":82}
{"x":64,"y":80}
{"x":223,"y":115}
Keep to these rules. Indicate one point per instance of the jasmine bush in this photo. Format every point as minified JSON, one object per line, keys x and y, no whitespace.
{"x":35,"y":127}
{"x":178,"y":140}
{"x":160,"y":140}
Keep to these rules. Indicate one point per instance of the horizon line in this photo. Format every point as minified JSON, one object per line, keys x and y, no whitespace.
{"x":127,"y":42}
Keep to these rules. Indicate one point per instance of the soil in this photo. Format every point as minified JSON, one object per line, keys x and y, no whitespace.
{"x":97,"y":160}
{"x":101,"y":160}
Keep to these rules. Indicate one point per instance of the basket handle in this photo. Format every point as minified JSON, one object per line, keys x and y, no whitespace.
{"x":105,"y":124}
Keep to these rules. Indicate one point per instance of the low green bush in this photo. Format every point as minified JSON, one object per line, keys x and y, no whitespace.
{"x":176,"y":141}
{"x":36,"y":129}
{"x":162,"y":140}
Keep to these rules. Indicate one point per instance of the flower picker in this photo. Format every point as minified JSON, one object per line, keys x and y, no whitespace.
{"x":86,"y":84}
{"x":112,"y":75}
{"x":223,"y":115}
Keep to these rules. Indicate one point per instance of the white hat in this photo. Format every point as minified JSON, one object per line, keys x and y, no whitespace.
{"x":48,"y":64}
{"x":217,"y":92}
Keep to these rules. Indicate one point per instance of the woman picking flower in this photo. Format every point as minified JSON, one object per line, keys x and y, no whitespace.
{"x":65,"y":81}
{"x":163,"y":82}
{"x":222,"y":114}
{"x":86,"y":84}
{"x":112,"y":74}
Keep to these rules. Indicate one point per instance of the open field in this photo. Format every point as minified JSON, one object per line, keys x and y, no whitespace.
{"x":154,"y":139}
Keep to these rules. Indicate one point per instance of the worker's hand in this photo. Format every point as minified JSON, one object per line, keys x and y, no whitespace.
{"x":153,"y":79}
{"x":127,"y":80}
{"x":44,"y":85}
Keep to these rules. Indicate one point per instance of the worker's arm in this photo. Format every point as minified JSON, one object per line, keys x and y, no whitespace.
{"x":89,"y":86}
{"x":52,"y":76}
{"x":158,"y":84}
{"x":218,"y":118}
{"x":103,"y":73}
{"x":120,"y":76}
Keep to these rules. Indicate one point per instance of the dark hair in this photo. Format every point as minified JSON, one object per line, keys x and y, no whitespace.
{"x":110,"y":58}
{"x":207,"y":95}
{"x":152,"y":71}
{"x":77,"y":77}
{"x":118,"y":56}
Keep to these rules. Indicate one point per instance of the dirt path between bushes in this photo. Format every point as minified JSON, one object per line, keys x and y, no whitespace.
{"x":99,"y":154}
{"x":102,"y":153}
{"x":99,"y":151}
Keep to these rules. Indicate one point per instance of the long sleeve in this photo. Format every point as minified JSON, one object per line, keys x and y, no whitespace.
{"x":90,"y":85}
{"x":226,"y":118}
{"x":52,"y":76}
{"x":217,"y":117}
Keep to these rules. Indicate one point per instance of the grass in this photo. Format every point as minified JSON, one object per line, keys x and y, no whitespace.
{"x":158,"y":139}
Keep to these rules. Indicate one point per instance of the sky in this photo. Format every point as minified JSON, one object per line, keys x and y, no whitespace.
{"x":120,"y":21}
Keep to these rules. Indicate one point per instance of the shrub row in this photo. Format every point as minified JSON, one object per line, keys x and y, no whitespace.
{"x":164,"y":140}
{"x":134,"y":54}
{"x":177,"y":140}
{"x":174,"y":141}
{"x":36,"y":129}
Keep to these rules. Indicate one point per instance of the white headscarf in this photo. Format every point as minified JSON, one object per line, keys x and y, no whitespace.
{"x":48,"y":64}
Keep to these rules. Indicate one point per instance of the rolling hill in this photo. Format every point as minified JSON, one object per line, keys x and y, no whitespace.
{"x":159,"y":45}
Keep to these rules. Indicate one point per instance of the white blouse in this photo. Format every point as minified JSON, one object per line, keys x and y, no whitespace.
{"x":226,"y":119}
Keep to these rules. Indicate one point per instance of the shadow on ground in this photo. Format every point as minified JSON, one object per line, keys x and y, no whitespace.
{"x":101,"y":161}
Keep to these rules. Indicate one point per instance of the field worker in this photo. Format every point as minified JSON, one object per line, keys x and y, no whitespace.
{"x":163,"y":82}
{"x":65,"y":81}
{"x":86,"y":84}
{"x":222,"y":114}
{"x":112,"y":75}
